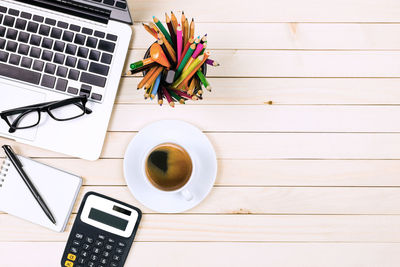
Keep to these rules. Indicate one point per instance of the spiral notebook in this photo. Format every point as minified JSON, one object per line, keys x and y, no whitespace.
{"x":58,"y":189}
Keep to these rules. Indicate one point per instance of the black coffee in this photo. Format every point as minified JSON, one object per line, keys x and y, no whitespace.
{"x":168,"y":167}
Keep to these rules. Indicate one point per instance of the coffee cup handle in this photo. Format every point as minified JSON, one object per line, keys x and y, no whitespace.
{"x":187,"y":195}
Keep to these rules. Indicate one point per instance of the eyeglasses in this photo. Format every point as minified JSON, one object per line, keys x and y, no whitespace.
{"x":29,"y":116}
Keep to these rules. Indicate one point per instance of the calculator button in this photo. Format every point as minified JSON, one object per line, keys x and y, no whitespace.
{"x":71,"y":257}
{"x":121,"y":244}
{"x":76,"y":243}
{"x":116,"y":258}
{"x":79,"y":236}
{"x":84,"y":254}
{"x":68,"y":264}
{"x":74,"y":250}
{"x":114,"y":264}
{"x":96,"y":250}
{"x":109,"y":247}
{"x":94,"y":257}
{"x":103,"y":261}
{"x":119,"y":250}
{"x":106,"y":254}
{"x":90,"y":264}
{"x":89,"y":240}
{"x":110,"y":240}
{"x":98,"y":243}
{"x":102,"y":237}
{"x":81,"y":260}
{"x":86,"y":246}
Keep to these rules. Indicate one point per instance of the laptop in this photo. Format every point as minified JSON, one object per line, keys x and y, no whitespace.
{"x":57,"y":49}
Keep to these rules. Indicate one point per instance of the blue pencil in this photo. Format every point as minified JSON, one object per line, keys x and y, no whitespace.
{"x":155,"y":87}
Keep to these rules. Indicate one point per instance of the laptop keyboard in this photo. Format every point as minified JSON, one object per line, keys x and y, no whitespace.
{"x":55,"y":55}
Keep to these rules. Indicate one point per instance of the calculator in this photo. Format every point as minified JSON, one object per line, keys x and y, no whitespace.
{"x":102,"y":234}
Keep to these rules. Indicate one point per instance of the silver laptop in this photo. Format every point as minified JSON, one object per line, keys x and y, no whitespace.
{"x":57,"y":49}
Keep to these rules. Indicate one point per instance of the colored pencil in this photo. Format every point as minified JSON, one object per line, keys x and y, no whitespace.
{"x":195,"y":54}
{"x":174,"y":21}
{"x":162,"y":29}
{"x":184,"y":94}
{"x":186,"y":72}
{"x":192,"y":86}
{"x":160,"y":96}
{"x":191,"y":34}
{"x":203,"y":80}
{"x":150,"y":30}
{"x":156,"y":86}
{"x":168,"y":97}
{"x":185,"y":32}
{"x":176,"y":97}
{"x":203,"y":58}
{"x":153,"y":26}
{"x":165,"y":50}
{"x":147,"y":77}
{"x":169,"y":47}
{"x":143,"y":68}
{"x":204,"y":38}
{"x":204,"y":48}
{"x":188,"y":44}
{"x":185,"y":59}
{"x":141,"y":63}
{"x":171,"y":30}
{"x":153,"y":77}
{"x":148,"y":91}
{"x":212,"y":62}
{"x":179,"y":41}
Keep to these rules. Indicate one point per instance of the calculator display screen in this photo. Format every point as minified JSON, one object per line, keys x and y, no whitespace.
{"x":108,"y":219}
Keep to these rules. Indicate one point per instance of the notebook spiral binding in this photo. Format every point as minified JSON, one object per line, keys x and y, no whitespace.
{"x":3,"y":171}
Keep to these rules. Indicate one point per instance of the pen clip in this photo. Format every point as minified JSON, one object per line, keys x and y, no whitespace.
{"x":8,"y":149}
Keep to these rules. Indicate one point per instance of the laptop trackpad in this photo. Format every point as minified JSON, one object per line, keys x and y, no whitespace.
{"x":14,"y":97}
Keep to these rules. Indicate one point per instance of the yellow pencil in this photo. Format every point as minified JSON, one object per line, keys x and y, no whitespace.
{"x":146,"y":77}
{"x":174,"y":21}
{"x":185,"y":73}
{"x":185,"y":32}
{"x":191,"y":35}
{"x":150,"y":30}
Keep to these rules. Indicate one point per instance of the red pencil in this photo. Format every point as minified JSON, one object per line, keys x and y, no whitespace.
{"x":168,"y":97}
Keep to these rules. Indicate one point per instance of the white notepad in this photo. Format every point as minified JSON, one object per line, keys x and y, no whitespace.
{"x":58,"y":189}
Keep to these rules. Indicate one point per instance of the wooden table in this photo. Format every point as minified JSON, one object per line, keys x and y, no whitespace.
{"x":305,"y":119}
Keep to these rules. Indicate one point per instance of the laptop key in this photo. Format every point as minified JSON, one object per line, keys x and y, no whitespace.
{"x":35,"y":52}
{"x":73,"y":75}
{"x":11,"y":34}
{"x":26,"y":15}
{"x":13,"y":12}
{"x":50,"y":21}
{"x":91,"y":42}
{"x":72,"y":90}
{"x":38,"y":18}
{"x":97,"y":97}
{"x":82,"y":64}
{"x":112,"y":37}
{"x":59,"y":58}
{"x":70,"y":61}
{"x":35,"y":40}
{"x":109,"y":2}
{"x":2,"y":43}
{"x":93,"y":79}
{"x":47,"y":43}
{"x":121,"y":5}
{"x":19,"y":74}
{"x":59,"y":46}
{"x":71,"y":49}
{"x":87,"y":31}
{"x":44,"y":30}
{"x":80,"y":39}
{"x":3,"y":56}
{"x":83,"y":52}
{"x":106,"y":58}
{"x":50,"y":68}
{"x":47,"y":55}
{"x":94,"y":55}
{"x":32,"y":27}
{"x":11,"y":46}
{"x":61,"y":84}
{"x":68,"y":36}
{"x":23,"y":49}
{"x":8,"y":21}
{"x":23,"y":37}
{"x":106,"y":46}
{"x":48,"y":81}
{"x":14,"y":59}
{"x":99,"y":34}
{"x":2,"y":31}
{"x":56,"y":33}
{"x":38,"y":65}
{"x":20,"y":24}
{"x":75,"y":28}
{"x":26,"y":62}
{"x":99,"y":68}
{"x":3,"y":9}
{"x":62,"y":71}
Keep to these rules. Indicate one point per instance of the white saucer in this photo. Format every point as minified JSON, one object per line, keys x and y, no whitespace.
{"x":199,"y":148}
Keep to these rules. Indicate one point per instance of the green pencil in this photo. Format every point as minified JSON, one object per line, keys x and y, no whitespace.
{"x":185,"y":59}
{"x":177,"y":97}
{"x":203,"y":80}
{"x":163,"y":30}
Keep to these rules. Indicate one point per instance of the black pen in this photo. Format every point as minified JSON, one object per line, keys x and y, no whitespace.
{"x":18,"y":166}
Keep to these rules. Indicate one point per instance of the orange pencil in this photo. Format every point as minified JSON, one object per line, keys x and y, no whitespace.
{"x":168,"y":46}
{"x":146,"y":77}
{"x":186,"y":32}
{"x":153,"y":77}
{"x":191,"y":35}
{"x":184,"y":29}
{"x":182,"y":84}
{"x":191,"y":87}
{"x":174,"y":21}
{"x":153,"y":26}
{"x":150,"y":30}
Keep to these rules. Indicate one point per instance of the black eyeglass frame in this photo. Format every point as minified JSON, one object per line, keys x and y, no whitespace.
{"x":79,"y":101}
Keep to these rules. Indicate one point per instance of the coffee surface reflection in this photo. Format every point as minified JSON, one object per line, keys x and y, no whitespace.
{"x":168,"y":167}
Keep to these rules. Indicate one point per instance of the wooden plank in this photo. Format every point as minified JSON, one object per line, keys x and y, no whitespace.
{"x":288,"y":63}
{"x":257,"y":172}
{"x":263,"y":146}
{"x":266,"y":118}
{"x":233,"y":228}
{"x":284,"y":91}
{"x":278,"y":200}
{"x":289,"y":36}
{"x":222,"y":254}
{"x":272,"y":11}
